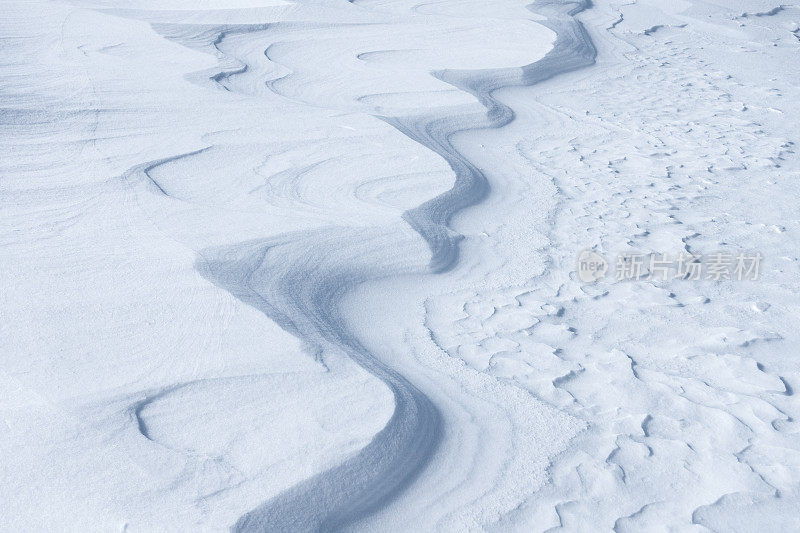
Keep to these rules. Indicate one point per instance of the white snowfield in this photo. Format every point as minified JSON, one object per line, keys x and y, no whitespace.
{"x":298,"y":266}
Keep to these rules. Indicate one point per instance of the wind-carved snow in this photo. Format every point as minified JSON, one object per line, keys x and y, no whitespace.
{"x":310,"y":266}
{"x":687,"y":386}
{"x":301,"y":289}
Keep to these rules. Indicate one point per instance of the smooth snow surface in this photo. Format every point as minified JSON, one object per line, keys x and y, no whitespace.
{"x":275,"y":265}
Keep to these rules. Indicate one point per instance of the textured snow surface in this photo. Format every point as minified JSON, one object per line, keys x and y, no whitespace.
{"x":296,"y":266}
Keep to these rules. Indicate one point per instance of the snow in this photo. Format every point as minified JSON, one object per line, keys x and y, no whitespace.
{"x":296,"y":266}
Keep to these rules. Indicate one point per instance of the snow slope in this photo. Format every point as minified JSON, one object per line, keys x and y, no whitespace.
{"x":311,"y":265}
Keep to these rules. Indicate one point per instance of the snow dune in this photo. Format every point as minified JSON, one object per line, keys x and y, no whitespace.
{"x":303,"y":266}
{"x":298,"y":280}
{"x":247,"y":147}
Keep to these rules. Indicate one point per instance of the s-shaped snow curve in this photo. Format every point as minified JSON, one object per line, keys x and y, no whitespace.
{"x":572,"y":50}
{"x":298,"y":280}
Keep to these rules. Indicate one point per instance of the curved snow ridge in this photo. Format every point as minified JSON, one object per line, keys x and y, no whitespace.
{"x":143,"y":172}
{"x":298,"y":280}
{"x":207,"y":38}
{"x":573,"y":49}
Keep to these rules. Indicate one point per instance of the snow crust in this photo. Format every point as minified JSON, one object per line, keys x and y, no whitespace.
{"x":302,"y":266}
